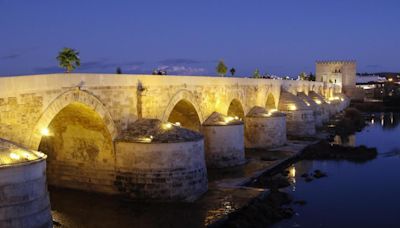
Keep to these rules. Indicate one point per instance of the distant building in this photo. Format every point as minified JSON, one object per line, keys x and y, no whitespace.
{"x":369,"y":79}
{"x":341,"y":73}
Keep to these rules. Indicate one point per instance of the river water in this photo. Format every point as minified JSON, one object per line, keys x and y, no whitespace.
{"x":354,"y":194}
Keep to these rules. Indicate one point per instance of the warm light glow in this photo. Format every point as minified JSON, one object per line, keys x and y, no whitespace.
{"x":292,"y":107}
{"x":390,"y":79}
{"x":146,"y":139}
{"x":267,"y":114}
{"x":178,"y":124}
{"x":272,"y":110}
{"x":308,"y":104}
{"x":236,"y":118}
{"x":318,"y":101}
{"x":341,"y":99}
{"x":45,"y":131}
{"x":292,"y":171}
{"x":167,"y":126}
{"x":14,"y":156}
{"x":228,"y":119}
{"x":39,"y":154}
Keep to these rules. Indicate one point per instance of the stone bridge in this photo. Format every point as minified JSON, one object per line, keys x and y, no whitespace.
{"x":78,"y":119}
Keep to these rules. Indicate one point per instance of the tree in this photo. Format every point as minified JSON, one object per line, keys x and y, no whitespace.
{"x":221,"y":68}
{"x":303,"y":76}
{"x":233,"y":71}
{"x":256,"y":74}
{"x":311,"y":77}
{"x":68,"y":58}
{"x":119,"y":71}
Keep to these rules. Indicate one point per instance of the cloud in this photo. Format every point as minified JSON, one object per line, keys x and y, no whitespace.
{"x":182,"y":70}
{"x":179,"y":61}
{"x":10,"y":56}
{"x":96,"y":65}
{"x":17,"y":53}
{"x":374,"y":66}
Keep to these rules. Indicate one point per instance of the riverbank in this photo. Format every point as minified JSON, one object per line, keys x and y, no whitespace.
{"x":228,"y":192}
{"x":272,"y":205}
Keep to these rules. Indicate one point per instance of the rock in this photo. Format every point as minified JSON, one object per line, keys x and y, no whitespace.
{"x":274,"y":182}
{"x":318,"y":174}
{"x":323,"y":150}
{"x":300,"y":202}
{"x":304,"y":175}
{"x":308,"y":179}
{"x":285,"y":173}
{"x":277,"y":198}
{"x":55,"y":223}
{"x":268,"y":158}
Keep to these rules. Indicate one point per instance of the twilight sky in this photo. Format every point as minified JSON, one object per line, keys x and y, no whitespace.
{"x":281,"y":37}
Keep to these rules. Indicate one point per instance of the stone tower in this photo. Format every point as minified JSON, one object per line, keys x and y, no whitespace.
{"x":341,"y":73}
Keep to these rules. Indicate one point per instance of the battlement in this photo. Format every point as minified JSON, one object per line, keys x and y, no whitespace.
{"x":336,"y":61}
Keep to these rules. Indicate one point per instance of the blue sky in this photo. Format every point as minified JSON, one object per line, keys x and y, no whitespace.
{"x":188,"y":37}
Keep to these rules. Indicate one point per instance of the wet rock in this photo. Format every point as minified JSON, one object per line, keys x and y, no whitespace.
{"x":300,"y":202}
{"x":55,"y":223}
{"x":304,"y":175}
{"x":285,"y":173}
{"x":277,"y":198}
{"x":268,"y":158}
{"x":319,"y":174}
{"x":323,"y":150}
{"x":275,"y":182}
{"x":308,"y":179}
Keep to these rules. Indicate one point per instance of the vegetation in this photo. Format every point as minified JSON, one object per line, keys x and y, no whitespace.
{"x":159,"y":72}
{"x":305,"y":77}
{"x":233,"y":71}
{"x":68,"y":59}
{"x":256,"y":74}
{"x":221,"y":68}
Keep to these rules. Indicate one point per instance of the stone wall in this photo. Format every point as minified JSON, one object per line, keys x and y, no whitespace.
{"x":168,"y":172}
{"x":265,"y":132}
{"x":224,"y":145}
{"x":29,"y":103}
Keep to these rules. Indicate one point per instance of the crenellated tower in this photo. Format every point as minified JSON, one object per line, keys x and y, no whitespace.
{"x":341,"y":73}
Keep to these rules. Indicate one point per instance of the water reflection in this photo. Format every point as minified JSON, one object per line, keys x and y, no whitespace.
{"x":383,"y":121}
{"x":345,"y":140}
{"x":388,"y":120}
{"x":353,"y":195}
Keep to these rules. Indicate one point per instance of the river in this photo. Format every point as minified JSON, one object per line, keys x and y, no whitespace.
{"x":354,"y":194}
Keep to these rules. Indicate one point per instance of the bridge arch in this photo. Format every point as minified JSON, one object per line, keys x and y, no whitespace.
{"x":75,"y":96}
{"x":270,"y":103}
{"x":184,"y":109}
{"x":236,"y":108}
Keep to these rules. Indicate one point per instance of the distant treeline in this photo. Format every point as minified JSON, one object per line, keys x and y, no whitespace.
{"x":380,"y":74}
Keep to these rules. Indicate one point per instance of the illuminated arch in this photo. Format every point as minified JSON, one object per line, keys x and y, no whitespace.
{"x":185,"y":95}
{"x":270,"y":103}
{"x":62,"y":101}
{"x":236,"y":108}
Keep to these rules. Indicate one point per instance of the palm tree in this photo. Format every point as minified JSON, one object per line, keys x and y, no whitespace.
{"x":68,"y":58}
